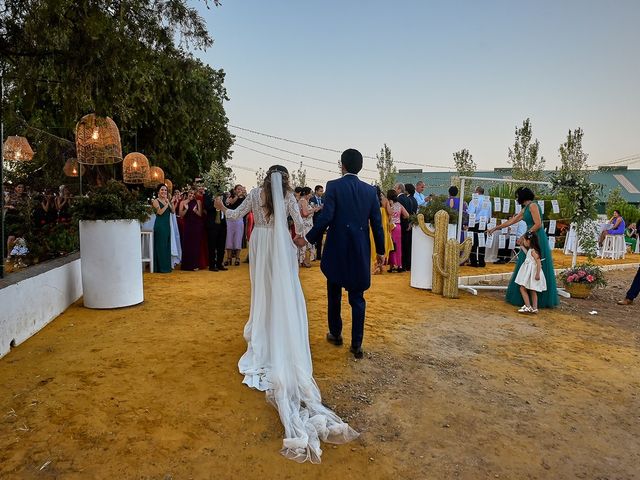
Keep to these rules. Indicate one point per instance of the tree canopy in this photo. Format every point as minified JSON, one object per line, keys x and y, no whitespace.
{"x":127,"y":59}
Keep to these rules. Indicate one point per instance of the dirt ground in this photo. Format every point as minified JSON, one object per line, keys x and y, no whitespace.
{"x":462,"y":389}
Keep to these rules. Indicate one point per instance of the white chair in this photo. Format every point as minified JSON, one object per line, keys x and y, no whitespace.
{"x":146,"y":240}
{"x":614,"y":247}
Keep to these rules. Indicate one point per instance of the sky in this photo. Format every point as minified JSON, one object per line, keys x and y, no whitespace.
{"x":427,"y":78}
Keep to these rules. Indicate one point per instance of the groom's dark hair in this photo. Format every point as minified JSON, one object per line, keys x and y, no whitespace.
{"x":351,"y":160}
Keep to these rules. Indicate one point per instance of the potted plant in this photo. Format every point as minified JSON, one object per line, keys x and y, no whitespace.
{"x":110,"y":253}
{"x":581,"y":279}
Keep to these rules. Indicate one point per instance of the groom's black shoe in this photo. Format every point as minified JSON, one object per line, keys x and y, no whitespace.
{"x":357,"y":352}
{"x":333,"y":339}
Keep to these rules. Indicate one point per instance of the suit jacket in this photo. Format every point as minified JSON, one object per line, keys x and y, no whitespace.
{"x":350,"y":205}
{"x":405,"y":201}
{"x":211,"y":210}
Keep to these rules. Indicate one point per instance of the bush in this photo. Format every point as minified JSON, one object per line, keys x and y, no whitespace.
{"x":434,"y":206}
{"x":113,"y":201}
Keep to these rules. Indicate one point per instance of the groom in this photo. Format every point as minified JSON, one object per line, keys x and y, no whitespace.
{"x":350,"y":205}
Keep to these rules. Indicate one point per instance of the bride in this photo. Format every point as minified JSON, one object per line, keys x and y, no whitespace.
{"x":278,"y":358}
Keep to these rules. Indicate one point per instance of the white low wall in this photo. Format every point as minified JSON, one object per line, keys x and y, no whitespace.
{"x":30,"y":304}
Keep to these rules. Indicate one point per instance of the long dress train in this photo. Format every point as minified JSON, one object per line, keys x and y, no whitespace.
{"x":278,"y":357}
{"x":548,"y":298}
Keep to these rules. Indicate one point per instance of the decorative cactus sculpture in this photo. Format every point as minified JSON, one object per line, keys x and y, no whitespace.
{"x":446,"y":255}
{"x":439,"y":235}
{"x":452,"y":261}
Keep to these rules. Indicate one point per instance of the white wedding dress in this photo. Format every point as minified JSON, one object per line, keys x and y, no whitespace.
{"x":278,"y":358}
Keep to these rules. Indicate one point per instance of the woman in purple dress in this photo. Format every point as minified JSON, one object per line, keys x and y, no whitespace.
{"x":191,"y":212}
{"x":617,"y":227}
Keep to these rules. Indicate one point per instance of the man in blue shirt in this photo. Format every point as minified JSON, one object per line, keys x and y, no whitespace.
{"x":480,"y":206}
{"x":418,"y":195}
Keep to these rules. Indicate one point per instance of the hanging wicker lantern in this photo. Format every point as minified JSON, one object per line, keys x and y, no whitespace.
{"x":135,"y":168}
{"x":72,"y":168}
{"x":155,"y":178}
{"x":17,"y":149}
{"x":169,"y":185}
{"x":98,"y":141}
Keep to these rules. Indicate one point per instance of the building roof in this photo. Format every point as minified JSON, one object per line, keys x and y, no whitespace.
{"x":609,"y":177}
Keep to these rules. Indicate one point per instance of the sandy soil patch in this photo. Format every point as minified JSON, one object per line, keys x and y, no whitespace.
{"x":461,"y":388}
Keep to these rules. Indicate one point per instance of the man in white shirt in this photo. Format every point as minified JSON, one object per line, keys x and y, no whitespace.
{"x":480,"y":206}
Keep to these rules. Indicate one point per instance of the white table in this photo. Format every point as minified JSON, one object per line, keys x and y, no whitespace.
{"x":570,"y":243}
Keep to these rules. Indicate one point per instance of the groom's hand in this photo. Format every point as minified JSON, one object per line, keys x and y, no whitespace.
{"x":299,"y":241}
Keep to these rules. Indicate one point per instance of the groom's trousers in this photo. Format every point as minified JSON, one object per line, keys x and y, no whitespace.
{"x":358,"y":305}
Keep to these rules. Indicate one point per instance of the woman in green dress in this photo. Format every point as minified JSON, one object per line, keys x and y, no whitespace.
{"x":162,"y":231}
{"x":530,"y":213}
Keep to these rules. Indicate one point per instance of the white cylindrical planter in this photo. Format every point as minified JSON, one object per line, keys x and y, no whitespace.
{"x":422,"y":257}
{"x":111,"y":263}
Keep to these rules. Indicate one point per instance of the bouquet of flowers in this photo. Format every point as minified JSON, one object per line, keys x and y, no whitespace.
{"x":587,"y":273}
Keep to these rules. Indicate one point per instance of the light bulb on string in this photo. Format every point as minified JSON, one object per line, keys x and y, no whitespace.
{"x":95,"y":133}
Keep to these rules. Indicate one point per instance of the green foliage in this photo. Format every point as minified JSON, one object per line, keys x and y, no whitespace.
{"x":113,"y":201}
{"x":434,"y":206}
{"x":523,"y":157}
{"x":386,"y":169}
{"x":572,"y":158}
{"x":128,"y":60}
{"x":218,"y":179}
{"x":299,"y":177}
{"x":587,"y":273}
{"x":573,"y":183}
{"x":465,"y":166}
{"x":614,"y":200}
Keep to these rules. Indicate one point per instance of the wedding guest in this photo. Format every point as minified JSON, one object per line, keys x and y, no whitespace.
{"x":633,"y":291}
{"x":297,"y":192}
{"x":617,"y":227}
{"x":203,"y":260}
{"x":163,"y":208}
{"x":631,"y":236}
{"x":13,"y":217}
{"x":481,"y":207}
{"x":45,"y":212}
{"x":418,"y":195}
{"x":530,"y":213}
{"x":385,"y":213}
{"x":216,"y":227}
{"x":191,"y":212}
{"x":506,"y":254}
{"x":405,"y":232}
{"x":530,"y":277}
{"x":63,"y":204}
{"x":397,"y":212}
{"x":317,"y":201}
{"x":306,"y":253}
{"x":408,"y":237}
{"x":235,"y":228}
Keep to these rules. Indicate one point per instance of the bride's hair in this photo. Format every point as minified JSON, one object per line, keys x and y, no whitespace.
{"x":266,"y":187}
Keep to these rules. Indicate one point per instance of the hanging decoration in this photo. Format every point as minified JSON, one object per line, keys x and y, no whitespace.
{"x":135,"y":168}
{"x":98,"y":141}
{"x":169,"y":185}
{"x":155,"y":178}
{"x":17,"y":149}
{"x":72,"y":168}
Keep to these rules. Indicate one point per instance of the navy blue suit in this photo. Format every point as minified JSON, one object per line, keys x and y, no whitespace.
{"x":350,"y":205}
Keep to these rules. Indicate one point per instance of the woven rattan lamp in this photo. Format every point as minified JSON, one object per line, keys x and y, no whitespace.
{"x":135,"y":168}
{"x":169,"y":185}
{"x":72,"y":168}
{"x":17,"y":149}
{"x":155,"y":178}
{"x":98,"y":141}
